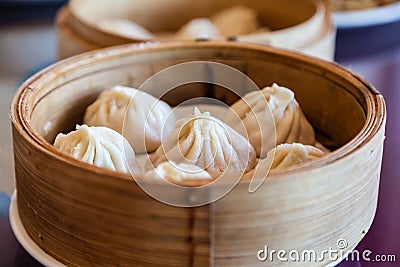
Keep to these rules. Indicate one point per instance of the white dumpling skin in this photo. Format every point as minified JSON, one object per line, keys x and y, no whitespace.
{"x":99,"y":146}
{"x":236,"y":20}
{"x":199,"y":28}
{"x":125,"y":28}
{"x":139,"y":116}
{"x":208,"y":143}
{"x":285,"y":157}
{"x":288,"y":155}
{"x":179,"y":173}
{"x":273,"y":110}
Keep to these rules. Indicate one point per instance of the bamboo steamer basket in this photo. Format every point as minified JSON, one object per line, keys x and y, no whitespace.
{"x":289,"y":20}
{"x":84,"y":215}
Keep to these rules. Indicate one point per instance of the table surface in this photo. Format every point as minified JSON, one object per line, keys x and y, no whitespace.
{"x":383,"y":71}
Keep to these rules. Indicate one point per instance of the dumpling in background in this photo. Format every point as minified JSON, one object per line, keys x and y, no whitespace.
{"x":261,"y":36}
{"x":343,"y":5}
{"x":255,"y":110}
{"x":99,"y":146}
{"x":125,"y":28}
{"x":200,"y":28}
{"x":180,"y":173}
{"x":284,"y":157}
{"x":147,"y":118}
{"x":208,"y":143}
{"x":236,"y":20}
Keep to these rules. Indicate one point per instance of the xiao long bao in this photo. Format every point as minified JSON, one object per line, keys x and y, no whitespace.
{"x":182,"y":173}
{"x":125,"y":27}
{"x":229,"y":22}
{"x":289,"y":155}
{"x":236,"y":20}
{"x":208,"y":143}
{"x":199,"y":28}
{"x":196,"y":142}
{"x":99,"y":146}
{"x":255,"y":110}
{"x":143,"y":116}
{"x":285,"y":157}
{"x":233,"y":21}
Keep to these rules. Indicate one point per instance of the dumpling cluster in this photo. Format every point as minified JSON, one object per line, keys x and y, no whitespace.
{"x":99,"y":146}
{"x":198,"y":148}
{"x":208,"y":143}
{"x":236,"y":20}
{"x":272,"y":112}
{"x":139,"y":116}
{"x":233,"y":21}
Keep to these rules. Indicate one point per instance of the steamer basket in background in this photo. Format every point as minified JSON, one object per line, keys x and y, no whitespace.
{"x":367,"y":31}
{"x":302,"y":25}
{"x":80,"y":214}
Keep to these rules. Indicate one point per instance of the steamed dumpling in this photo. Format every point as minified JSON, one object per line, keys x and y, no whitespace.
{"x":288,"y":155}
{"x":125,"y":28}
{"x":147,"y":118}
{"x":285,"y":156}
{"x":233,"y":21}
{"x":341,"y":5}
{"x":199,"y":28}
{"x":236,"y":20}
{"x":180,"y":173}
{"x":254,"y":110}
{"x":208,"y":143}
{"x":98,"y":146}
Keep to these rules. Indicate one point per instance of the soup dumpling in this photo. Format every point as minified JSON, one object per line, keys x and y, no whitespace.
{"x":208,"y":143}
{"x":145,"y":118}
{"x":99,"y":146}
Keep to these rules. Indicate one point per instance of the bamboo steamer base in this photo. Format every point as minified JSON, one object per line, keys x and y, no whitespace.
{"x":77,"y":29}
{"x":84,"y":215}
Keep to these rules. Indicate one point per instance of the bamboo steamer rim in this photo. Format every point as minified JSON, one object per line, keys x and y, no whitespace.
{"x":61,"y":21}
{"x":328,"y":28}
{"x":320,"y":16}
{"x":375,"y":116}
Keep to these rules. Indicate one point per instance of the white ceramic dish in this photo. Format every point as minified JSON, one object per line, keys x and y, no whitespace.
{"x":368,"y":31}
{"x":23,"y":238}
{"x":367,"y":17}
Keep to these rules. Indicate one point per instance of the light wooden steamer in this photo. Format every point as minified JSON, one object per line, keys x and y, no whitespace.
{"x":84,"y":215}
{"x":78,"y":30}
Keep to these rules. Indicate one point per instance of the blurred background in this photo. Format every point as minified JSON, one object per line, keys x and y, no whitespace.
{"x":363,"y":35}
